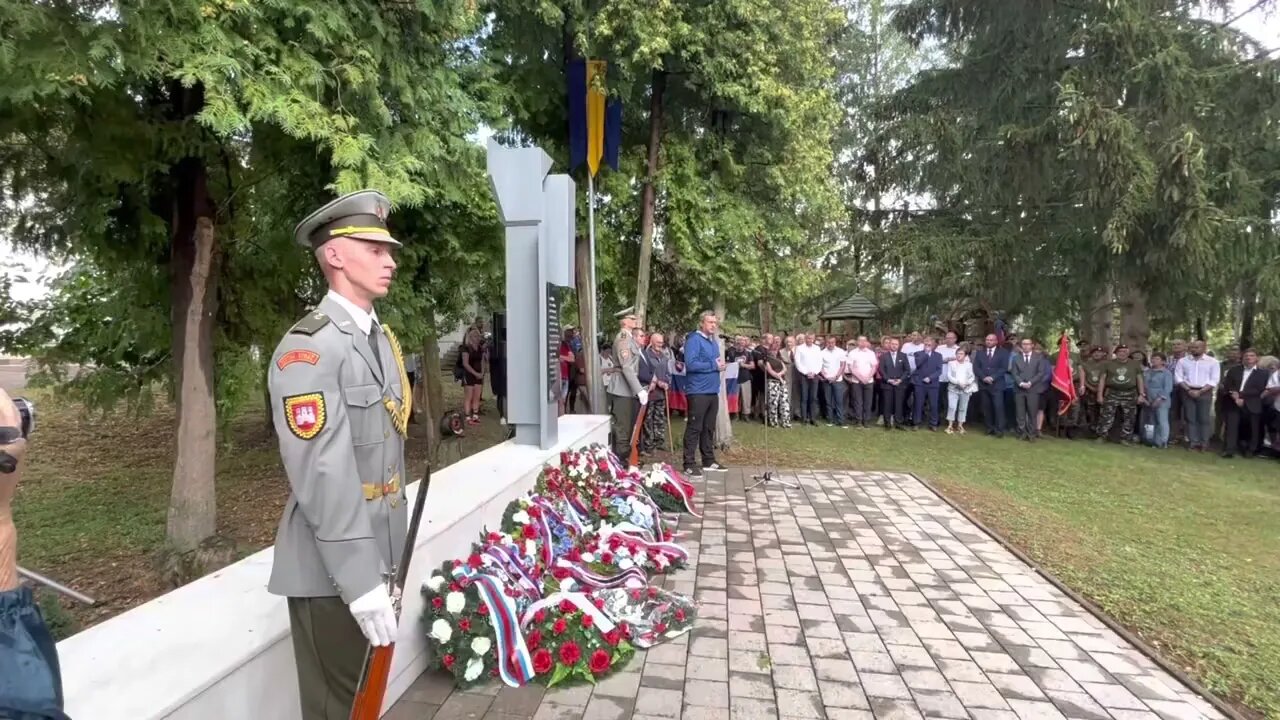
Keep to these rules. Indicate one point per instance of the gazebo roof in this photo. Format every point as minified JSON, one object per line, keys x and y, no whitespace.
{"x":854,"y":307}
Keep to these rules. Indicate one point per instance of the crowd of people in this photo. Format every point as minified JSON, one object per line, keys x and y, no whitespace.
{"x":1180,"y":397}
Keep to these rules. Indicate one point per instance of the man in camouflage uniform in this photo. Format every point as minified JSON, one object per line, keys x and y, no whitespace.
{"x":1121,"y":389}
{"x":1088,"y":379}
{"x":624,"y":388}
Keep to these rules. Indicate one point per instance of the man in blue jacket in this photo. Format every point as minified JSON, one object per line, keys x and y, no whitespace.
{"x":702,"y":368}
{"x":991,"y":365}
{"x":924,"y":378}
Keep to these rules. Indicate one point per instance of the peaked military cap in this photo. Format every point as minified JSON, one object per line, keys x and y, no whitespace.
{"x":361,"y":215}
{"x":630,"y":310}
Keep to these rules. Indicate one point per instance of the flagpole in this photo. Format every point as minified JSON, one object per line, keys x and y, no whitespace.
{"x":593,"y":351}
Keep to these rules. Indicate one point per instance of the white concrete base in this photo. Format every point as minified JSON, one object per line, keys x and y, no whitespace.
{"x":219,"y":647}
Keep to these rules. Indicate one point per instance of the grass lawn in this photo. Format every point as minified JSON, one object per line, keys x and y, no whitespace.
{"x":1183,"y":549}
{"x":92,"y":505}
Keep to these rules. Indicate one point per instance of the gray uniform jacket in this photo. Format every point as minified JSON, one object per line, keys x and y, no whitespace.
{"x":345,"y":521}
{"x":626,"y":355}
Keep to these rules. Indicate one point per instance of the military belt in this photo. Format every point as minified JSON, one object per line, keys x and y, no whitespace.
{"x":373,"y":491}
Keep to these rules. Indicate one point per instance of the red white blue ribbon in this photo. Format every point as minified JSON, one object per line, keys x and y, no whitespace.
{"x":515,"y":665}
{"x":504,"y":559}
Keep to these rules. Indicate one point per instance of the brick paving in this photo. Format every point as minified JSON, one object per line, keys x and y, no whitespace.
{"x":860,"y":595}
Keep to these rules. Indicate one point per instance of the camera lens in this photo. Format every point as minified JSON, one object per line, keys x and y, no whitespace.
{"x":27,"y":412}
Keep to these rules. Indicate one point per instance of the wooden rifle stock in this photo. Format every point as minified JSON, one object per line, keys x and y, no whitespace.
{"x":372,"y":690}
{"x":634,"y":460}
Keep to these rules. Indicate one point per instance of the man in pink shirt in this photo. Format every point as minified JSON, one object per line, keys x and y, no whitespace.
{"x":861,"y":363}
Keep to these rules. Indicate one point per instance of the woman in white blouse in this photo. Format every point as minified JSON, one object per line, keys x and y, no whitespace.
{"x":961,"y":385}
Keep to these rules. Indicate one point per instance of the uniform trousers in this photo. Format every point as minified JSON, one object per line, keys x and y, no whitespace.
{"x":625,"y":410}
{"x":329,"y":649}
{"x":1126,"y":401}
{"x":655,"y":430}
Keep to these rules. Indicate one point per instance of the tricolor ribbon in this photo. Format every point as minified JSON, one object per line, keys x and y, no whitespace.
{"x":679,"y":483}
{"x":515,"y":666}
{"x":504,"y":559}
{"x":579,"y":600}
{"x":592,"y":581}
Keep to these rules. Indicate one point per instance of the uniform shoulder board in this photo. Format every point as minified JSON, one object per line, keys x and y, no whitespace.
{"x":310,"y":324}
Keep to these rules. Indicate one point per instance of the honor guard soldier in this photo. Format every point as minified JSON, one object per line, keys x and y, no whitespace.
{"x":341,"y":401}
{"x":626,"y":393}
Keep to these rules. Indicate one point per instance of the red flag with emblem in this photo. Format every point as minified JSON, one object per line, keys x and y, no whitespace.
{"x":1063,"y":377}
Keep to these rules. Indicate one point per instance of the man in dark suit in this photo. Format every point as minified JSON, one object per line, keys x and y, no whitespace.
{"x":1244,"y":386}
{"x":1027,"y":369}
{"x":991,"y":364}
{"x":895,"y":372}
{"x":924,"y":380}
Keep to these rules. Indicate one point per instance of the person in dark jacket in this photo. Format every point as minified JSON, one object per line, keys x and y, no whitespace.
{"x":991,"y":365}
{"x":895,"y":372}
{"x":924,"y":378}
{"x":702,"y":367}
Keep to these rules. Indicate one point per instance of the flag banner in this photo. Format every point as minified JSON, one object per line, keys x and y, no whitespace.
{"x":1064,"y":377}
{"x":576,"y":77}
{"x":612,"y":132}
{"x":595,"y":113}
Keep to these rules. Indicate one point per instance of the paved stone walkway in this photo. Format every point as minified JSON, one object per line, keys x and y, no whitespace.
{"x":859,"y":595}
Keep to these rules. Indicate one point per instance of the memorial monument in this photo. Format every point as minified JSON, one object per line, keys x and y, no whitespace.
{"x":537,"y":209}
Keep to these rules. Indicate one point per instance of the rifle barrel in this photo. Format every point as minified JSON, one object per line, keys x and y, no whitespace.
{"x":42,"y":580}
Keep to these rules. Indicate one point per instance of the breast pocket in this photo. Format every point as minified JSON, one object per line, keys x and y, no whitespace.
{"x":364,"y":413}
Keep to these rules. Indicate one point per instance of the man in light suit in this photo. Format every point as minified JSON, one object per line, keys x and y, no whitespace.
{"x":341,"y":402}
{"x":990,"y":365}
{"x":1027,"y":369}
{"x":924,"y":381}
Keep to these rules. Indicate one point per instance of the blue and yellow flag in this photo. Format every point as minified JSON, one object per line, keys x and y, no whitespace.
{"x":595,"y":122}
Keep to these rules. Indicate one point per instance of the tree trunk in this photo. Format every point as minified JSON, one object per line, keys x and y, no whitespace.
{"x":428,"y":396}
{"x":1098,"y":321}
{"x":193,"y":292}
{"x":648,"y":197}
{"x":1135,"y":323}
{"x":724,"y":428}
{"x":1248,"y":311}
{"x":266,"y":397}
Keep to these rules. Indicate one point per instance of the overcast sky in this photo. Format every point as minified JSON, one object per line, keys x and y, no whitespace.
{"x":1262,"y":24}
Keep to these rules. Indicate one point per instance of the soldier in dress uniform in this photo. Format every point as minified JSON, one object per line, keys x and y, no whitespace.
{"x":624,"y":388}
{"x":341,"y":401}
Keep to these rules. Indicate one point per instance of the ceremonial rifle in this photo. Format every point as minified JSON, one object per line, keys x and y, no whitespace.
{"x":372,"y":690}
{"x":634,"y":460}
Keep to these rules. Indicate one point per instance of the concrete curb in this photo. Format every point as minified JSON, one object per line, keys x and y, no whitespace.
{"x":1097,"y":612}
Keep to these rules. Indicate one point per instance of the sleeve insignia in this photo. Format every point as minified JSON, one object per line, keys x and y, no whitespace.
{"x":305,"y":414}
{"x":297,"y":356}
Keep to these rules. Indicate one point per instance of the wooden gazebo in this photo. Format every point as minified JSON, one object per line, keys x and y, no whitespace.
{"x":855,"y":307}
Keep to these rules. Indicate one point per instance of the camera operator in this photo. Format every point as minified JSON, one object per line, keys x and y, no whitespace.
{"x":30,"y":679}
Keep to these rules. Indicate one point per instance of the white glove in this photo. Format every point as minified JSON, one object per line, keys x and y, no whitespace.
{"x":644,"y":397}
{"x":375,"y":616}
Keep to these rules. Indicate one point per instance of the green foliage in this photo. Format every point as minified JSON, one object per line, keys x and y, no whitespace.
{"x":283,"y":105}
{"x":744,"y":190}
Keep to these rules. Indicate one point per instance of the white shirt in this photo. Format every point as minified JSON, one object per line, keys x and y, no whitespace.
{"x":862,"y":363}
{"x":910,"y":350}
{"x":1205,"y":372}
{"x":1274,"y":382}
{"x":961,"y":374}
{"x":832,"y":362}
{"x":363,"y":320}
{"x":1244,"y":377}
{"x":948,"y":354}
{"x":808,"y":359}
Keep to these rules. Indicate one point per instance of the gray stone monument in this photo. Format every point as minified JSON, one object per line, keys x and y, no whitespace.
{"x":538,"y":212}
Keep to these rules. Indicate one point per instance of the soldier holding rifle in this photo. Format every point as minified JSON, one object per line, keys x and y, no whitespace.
{"x":341,"y":404}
